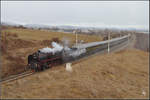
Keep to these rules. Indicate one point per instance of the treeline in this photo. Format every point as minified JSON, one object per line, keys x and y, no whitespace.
{"x":2,"y":27}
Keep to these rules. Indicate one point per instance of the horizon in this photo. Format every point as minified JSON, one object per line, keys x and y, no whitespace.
{"x":79,"y":25}
{"x":105,"y":14}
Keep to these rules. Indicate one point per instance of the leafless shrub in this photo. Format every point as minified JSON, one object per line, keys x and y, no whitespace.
{"x":14,"y":35}
{"x":56,"y":40}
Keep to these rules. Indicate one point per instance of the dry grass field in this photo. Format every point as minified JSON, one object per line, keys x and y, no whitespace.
{"x":118,"y":75}
{"x":29,"y":34}
{"x":124,"y":74}
{"x":22,"y":42}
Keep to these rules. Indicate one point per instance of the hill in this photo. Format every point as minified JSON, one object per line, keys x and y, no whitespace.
{"x":18,"y":43}
{"x":123,"y":74}
{"x":118,"y":75}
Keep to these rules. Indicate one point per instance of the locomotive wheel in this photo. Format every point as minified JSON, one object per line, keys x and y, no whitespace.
{"x":27,"y":68}
{"x":45,"y":66}
{"x":34,"y":67}
{"x":33,"y":70}
{"x":42,"y":68}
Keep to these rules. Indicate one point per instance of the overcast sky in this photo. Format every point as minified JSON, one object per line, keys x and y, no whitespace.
{"x":108,"y":13}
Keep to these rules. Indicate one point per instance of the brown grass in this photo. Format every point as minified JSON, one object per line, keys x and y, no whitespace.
{"x":17,"y":44}
{"x":118,"y":75}
{"x":29,"y":34}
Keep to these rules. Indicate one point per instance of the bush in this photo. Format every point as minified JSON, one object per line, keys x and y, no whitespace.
{"x":56,"y":40}
{"x":14,"y":35}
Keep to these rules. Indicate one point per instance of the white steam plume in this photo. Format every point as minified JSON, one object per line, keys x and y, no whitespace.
{"x":77,"y":52}
{"x":56,"y":48}
{"x":66,"y":43}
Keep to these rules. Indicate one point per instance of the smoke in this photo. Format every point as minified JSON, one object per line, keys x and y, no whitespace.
{"x":77,"y":52}
{"x":56,"y":48}
{"x":66,"y":42}
{"x":68,"y":51}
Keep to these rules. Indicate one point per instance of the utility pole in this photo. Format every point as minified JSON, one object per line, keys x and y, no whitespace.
{"x":108,"y":42}
{"x":76,"y":38}
{"x":128,"y":39}
{"x":5,"y":42}
{"x":121,"y":32}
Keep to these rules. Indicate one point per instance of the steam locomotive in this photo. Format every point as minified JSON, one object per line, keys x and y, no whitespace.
{"x":39,"y":61}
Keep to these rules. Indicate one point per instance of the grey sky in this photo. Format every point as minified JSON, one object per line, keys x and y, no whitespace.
{"x":108,"y":13}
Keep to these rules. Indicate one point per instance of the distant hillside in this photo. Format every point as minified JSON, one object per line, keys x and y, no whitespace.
{"x":71,"y":28}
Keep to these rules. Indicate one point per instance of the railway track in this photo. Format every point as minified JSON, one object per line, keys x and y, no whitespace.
{"x":17,"y":76}
{"x":100,"y":49}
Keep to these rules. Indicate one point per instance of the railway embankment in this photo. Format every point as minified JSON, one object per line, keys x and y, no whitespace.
{"x":123,"y":74}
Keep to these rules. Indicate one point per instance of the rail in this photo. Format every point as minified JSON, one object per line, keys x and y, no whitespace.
{"x":15,"y":77}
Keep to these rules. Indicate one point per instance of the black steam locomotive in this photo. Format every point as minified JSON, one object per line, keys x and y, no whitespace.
{"x":39,"y":61}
